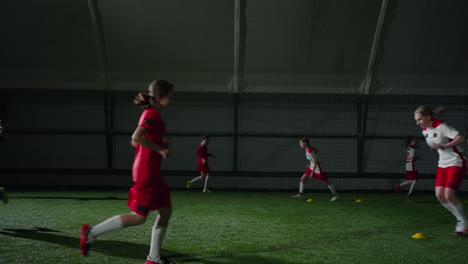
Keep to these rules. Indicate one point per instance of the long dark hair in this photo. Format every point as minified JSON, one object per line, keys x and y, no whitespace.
{"x":408,"y":140}
{"x":159,"y":88}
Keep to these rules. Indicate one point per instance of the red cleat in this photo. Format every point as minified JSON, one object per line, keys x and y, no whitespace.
{"x":397,"y":187}
{"x":162,"y":260}
{"x":84,"y":246}
{"x":461,"y":234}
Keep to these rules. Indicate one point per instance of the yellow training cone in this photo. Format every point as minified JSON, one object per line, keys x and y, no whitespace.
{"x":359,"y":201}
{"x":309,"y":200}
{"x":409,"y":201}
{"x":465,"y":202}
{"x":419,"y":236}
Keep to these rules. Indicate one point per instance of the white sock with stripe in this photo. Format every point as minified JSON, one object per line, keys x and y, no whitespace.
{"x":459,"y":212}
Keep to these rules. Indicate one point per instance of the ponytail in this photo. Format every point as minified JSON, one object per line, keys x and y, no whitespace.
{"x":427,"y":111}
{"x":159,"y":88}
{"x":143,"y":100}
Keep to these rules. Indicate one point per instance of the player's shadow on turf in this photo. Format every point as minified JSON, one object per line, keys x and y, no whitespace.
{"x":72,"y":198}
{"x":131,"y":250}
{"x":108,"y":247}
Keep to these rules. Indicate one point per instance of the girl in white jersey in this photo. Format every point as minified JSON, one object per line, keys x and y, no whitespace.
{"x":452,"y":164}
{"x":411,"y":172}
{"x":314,"y":169}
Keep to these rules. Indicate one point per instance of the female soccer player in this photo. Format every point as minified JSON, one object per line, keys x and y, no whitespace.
{"x":411,"y":172}
{"x":203,"y":167}
{"x":452,"y":164}
{"x":314,"y":169}
{"x":149,"y":191}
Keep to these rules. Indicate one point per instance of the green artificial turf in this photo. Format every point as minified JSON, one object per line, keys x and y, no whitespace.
{"x":42,"y":227}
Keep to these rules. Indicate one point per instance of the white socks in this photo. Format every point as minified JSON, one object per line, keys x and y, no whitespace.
{"x":206,"y":182}
{"x":301,"y":187}
{"x":110,"y":224}
{"x":157,"y":237}
{"x":332,"y":189}
{"x":412,"y":187}
{"x":405,"y":182}
{"x":460,"y":212}
{"x":413,"y":183}
{"x":457,"y":211}
{"x":195,"y":179}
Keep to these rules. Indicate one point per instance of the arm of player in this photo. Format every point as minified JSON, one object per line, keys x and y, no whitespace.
{"x":166,"y":142}
{"x":459,"y":139}
{"x":313,"y":169}
{"x":138,"y":137}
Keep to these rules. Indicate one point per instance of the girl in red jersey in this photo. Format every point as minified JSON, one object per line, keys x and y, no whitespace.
{"x":314,"y":169}
{"x":411,"y":172}
{"x":452,"y":164}
{"x":149,"y":191}
{"x":203,"y":167}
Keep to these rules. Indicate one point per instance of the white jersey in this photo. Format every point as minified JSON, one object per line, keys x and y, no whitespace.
{"x":441,"y":133}
{"x":410,"y":154}
{"x":311,"y":155}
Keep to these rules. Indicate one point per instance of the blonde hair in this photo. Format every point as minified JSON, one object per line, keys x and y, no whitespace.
{"x":427,"y":111}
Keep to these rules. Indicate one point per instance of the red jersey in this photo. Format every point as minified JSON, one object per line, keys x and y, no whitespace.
{"x":147,"y":163}
{"x":202,"y":152}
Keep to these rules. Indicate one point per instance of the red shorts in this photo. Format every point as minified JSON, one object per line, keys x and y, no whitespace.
{"x":203,"y":167}
{"x":321,"y":176}
{"x":146,"y":197}
{"x":450,"y":177}
{"x":412,"y":175}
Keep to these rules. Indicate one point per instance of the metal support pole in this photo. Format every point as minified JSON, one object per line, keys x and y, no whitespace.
{"x":367,"y":86}
{"x":104,"y":80}
{"x":238,"y":69}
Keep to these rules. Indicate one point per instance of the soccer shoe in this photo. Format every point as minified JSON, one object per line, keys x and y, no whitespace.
{"x":3,"y":195}
{"x":188,"y":184}
{"x":397,"y":187}
{"x":162,"y":260}
{"x":334,"y":198}
{"x":460,"y":229}
{"x":463,"y":233}
{"x":297,"y":196}
{"x":85,"y":241}
{"x":409,"y":195}
{"x":206,"y":190}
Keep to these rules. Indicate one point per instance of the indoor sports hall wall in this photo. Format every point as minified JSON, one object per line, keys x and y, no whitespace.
{"x":257,"y":75}
{"x":60,"y":139}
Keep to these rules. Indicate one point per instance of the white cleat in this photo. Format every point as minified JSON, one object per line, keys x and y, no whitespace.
{"x":297,"y":196}
{"x":334,"y":198}
{"x":460,"y":229}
